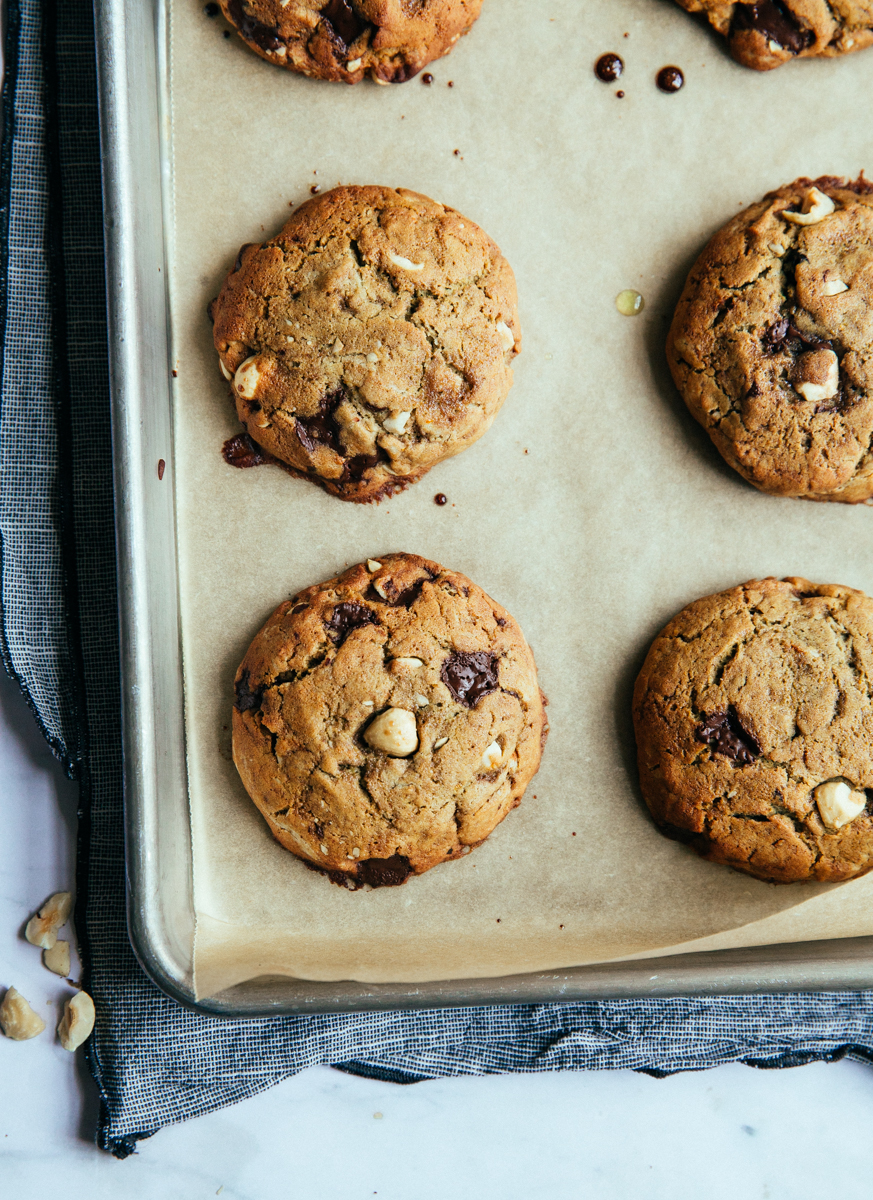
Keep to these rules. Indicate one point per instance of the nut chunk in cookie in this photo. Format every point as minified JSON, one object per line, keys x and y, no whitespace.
{"x":346,"y":40}
{"x":763,"y":34}
{"x":754,"y":726}
{"x":371,"y":338}
{"x":387,"y":720}
{"x":771,"y":344}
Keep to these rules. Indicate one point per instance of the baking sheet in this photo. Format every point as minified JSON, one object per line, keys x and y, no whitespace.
{"x":593,"y":509}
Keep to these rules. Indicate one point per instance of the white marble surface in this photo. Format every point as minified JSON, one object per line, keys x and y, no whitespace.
{"x":732,"y":1132}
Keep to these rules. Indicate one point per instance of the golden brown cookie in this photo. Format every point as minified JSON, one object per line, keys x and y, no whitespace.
{"x":346,"y":40}
{"x":768,"y":33}
{"x":387,"y":720}
{"x":754,"y":725}
{"x":771,"y":344}
{"x":369,"y":339}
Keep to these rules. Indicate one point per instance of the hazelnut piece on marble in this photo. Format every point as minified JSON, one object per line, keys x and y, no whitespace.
{"x":17,"y":1019}
{"x":394,"y":731}
{"x":838,"y":804}
{"x":42,"y":930}
{"x":77,"y":1021}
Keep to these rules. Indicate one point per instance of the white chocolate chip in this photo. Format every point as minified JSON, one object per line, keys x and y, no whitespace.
{"x":354,"y":65}
{"x":58,"y":958}
{"x":412,"y":663}
{"x":439,"y":743}
{"x":323,"y":849}
{"x":77,"y":1022}
{"x":492,"y":756}
{"x":397,"y":422}
{"x":833,"y":287}
{"x":393,"y":731}
{"x":42,"y":930}
{"x":17,"y":1019}
{"x":372,"y":565}
{"x":421,"y":701}
{"x":289,"y":339}
{"x":816,"y":206}
{"x":822,"y":368}
{"x":405,"y":263}
{"x":776,"y":248}
{"x":507,"y":337}
{"x":838,"y":803}
{"x":227,"y":375}
{"x":247,"y":376}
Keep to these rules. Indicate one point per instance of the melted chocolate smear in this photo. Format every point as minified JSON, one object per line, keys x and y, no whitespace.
{"x":344,"y":21}
{"x":670,"y":79}
{"x":385,"y":872}
{"x":265,"y":36}
{"x":241,"y":451}
{"x":322,"y":429}
{"x":346,"y":617}
{"x":397,"y":599}
{"x":775,"y":22}
{"x":724,"y":733}
{"x":608,"y":68}
{"x":469,"y":677}
{"x":247,"y":698}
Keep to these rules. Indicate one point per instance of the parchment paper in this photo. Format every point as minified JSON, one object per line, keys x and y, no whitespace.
{"x":593,"y":510}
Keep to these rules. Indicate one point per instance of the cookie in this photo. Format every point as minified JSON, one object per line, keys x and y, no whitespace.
{"x":369,"y":339}
{"x":346,"y":40}
{"x":387,"y":720}
{"x":754,"y":725}
{"x":771,"y":344}
{"x":769,"y":33}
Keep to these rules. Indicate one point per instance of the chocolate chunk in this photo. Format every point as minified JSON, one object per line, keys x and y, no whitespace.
{"x":670,"y":79}
{"x":247,"y":698}
{"x":322,"y":429}
{"x":608,"y":67}
{"x":344,"y":21}
{"x":384,"y":872}
{"x":772,"y":19}
{"x":211,"y":9}
{"x":783,"y":335}
{"x":469,"y":677}
{"x":724,"y":733}
{"x":241,"y":451}
{"x":356,"y":468}
{"x":253,"y":30}
{"x":346,"y":617}
{"x":440,"y":499}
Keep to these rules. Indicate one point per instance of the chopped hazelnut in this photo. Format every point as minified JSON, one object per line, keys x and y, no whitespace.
{"x":17,"y":1019}
{"x":42,"y":930}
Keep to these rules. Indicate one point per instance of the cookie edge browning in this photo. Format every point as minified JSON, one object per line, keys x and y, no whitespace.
{"x":854,"y":491}
{"x":502,"y":280}
{"x":750,"y":48}
{"x":384,"y":73}
{"x":656,"y":792}
{"x":248,"y":744}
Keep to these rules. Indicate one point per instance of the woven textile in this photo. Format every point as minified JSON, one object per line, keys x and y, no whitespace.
{"x":155,"y":1062}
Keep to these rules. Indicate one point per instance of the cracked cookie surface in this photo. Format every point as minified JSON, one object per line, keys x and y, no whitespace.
{"x":771,"y":344}
{"x":347,"y":40}
{"x":387,"y":720}
{"x":748,"y":702}
{"x":371,"y":338}
{"x":767,"y":33}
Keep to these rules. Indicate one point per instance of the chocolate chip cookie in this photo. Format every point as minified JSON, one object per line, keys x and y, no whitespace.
{"x":771,"y":345}
{"x":754,"y":724}
{"x":387,"y":720}
{"x":346,"y":40}
{"x":768,"y":33}
{"x":369,"y":339}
